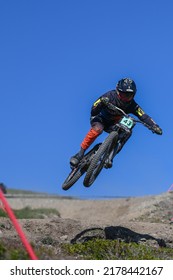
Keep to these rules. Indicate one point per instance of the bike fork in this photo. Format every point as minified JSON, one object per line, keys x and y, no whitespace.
{"x":115,"y":151}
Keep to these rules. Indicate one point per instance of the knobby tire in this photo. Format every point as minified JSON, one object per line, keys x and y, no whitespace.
{"x":95,"y":167}
{"x":69,"y":182}
{"x":80,"y":170}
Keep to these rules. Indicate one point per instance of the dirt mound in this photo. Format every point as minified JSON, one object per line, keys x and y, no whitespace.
{"x":136,"y":219}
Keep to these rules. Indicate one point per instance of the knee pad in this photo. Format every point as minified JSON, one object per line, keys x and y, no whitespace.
{"x":98,"y":127}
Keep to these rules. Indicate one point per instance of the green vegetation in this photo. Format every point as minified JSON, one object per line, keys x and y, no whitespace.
{"x":100,"y":249}
{"x":18,"y":191}
{"x":35,"y":193}
{"x":15,"y":251}
{"x":28,"y":213}
{"x":97,"y":249}
{"x":12,"y":253}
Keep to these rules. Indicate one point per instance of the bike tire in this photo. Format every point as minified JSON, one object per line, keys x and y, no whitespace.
{"x":95,"y":167}
{"x":71,"y":179}
{"x":75,"y":174}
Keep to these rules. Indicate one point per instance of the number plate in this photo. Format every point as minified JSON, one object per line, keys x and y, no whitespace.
{"x":127,"y":122}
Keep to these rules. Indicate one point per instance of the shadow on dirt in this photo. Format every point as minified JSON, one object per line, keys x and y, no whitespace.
{"x":113,"y":233}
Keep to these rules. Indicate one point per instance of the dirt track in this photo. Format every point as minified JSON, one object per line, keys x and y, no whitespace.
{"x":139,"y":216}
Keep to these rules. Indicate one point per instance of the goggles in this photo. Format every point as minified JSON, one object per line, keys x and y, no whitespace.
{"x":125,"y":96}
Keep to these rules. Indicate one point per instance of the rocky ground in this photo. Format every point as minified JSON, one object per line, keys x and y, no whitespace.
{"x":138,"y":219}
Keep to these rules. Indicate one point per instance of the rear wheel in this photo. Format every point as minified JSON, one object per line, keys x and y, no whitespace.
{"x":72,"y":178}
{"x":77,"y":172}
{"x":98,"y":160}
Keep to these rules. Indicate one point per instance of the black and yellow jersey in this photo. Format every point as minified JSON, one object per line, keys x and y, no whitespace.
{"x":128,"y":107}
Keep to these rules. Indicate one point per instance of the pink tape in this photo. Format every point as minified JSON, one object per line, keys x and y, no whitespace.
{"x":17,"y":227}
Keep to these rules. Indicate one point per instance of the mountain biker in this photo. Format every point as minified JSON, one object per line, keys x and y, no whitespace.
{"x":102,"y":118}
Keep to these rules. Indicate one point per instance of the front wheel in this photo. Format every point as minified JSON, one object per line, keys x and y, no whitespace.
{"x":98,"y":160}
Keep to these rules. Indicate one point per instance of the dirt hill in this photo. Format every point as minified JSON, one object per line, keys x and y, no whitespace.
{"x":138,"y":219}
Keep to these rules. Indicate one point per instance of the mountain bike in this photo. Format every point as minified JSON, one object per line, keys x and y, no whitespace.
{"x":111,"y":146}
{"x":98,"y":158}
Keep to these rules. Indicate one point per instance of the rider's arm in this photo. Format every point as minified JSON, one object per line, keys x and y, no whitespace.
{"x":98,"y":105}
{"x":138,"y":111}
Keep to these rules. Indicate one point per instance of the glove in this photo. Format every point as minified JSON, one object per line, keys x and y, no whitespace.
{"x":156,"y":129}
{"x":104,"y":100}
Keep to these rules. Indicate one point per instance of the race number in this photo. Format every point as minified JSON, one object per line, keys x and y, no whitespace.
{"x":127,"y":122}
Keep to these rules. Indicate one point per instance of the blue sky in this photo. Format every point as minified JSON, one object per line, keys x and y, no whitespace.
{"x":56,"y":58}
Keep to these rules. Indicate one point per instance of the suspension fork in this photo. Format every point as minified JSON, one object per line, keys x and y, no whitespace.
{"x":123,"y":137}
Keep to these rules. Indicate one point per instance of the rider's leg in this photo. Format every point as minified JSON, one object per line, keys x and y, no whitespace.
{"x":93,"y":133}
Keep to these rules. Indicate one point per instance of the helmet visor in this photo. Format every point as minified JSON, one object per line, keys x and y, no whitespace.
{"x":125,"y":96}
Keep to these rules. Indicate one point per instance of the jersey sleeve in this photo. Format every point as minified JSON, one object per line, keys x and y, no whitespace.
{"x":139,"y":112}
{"x":98,"y":105}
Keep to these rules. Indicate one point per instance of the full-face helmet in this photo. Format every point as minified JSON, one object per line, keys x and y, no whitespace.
{"x":126,"y":89}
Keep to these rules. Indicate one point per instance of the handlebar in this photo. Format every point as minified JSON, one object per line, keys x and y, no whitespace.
{"x":115,"y":108}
